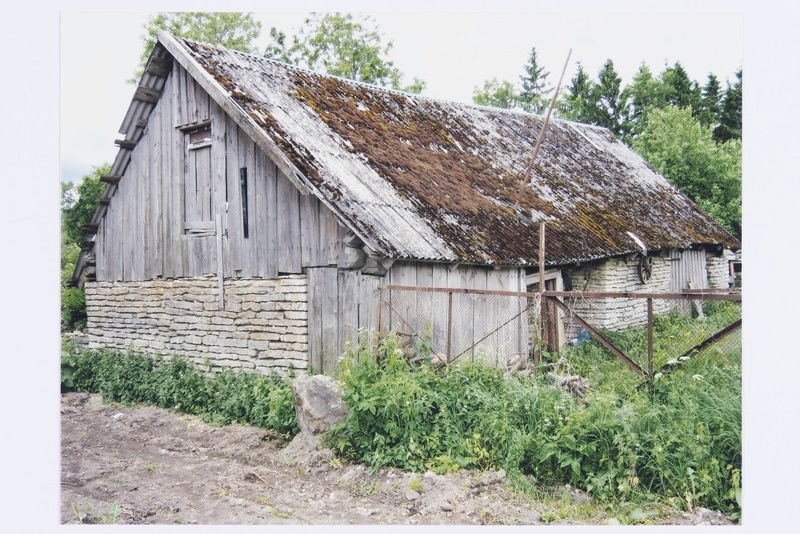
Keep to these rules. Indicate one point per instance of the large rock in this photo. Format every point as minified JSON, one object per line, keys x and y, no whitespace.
{"x":318,"y":403}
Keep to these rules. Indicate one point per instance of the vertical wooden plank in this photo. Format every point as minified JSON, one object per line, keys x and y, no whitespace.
{"x":182,"y":116}
{"x":368,"y":301}
{"x":178,"y":248}
{"x":288,"y":226}
{"x":233,"y":259}
{"x":204,"y":189}
{"x":329,"y":237}
{"x":156,"y":220}
{"x":309,"y":230}
{"x":167,"y":178}
{"x":191,"y":100}
{"x":260,"y":178}
{"x":220,"y":265}
{"x":480,"y":310}
{"x":315,"y":314}
{"x":271,"y":209}
{"x":128,"y":222}
{"x":348,"y":309}
{"x":329,"y":311}
{"x":202,"y":100}
{"x":219,"y":183}
{"x":463,"y":305}
{"x":245,"y":147}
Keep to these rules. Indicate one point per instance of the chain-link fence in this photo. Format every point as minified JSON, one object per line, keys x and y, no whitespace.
{"x":647,"y":332}
{"x":493,"y":326}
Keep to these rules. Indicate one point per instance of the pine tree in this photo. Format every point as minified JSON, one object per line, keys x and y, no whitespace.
{"x":579,"y":104}
{"x":533,"y":96}
{"x":730,"y":117}
{"x":709,"y":108}
{"x":608,"y":98}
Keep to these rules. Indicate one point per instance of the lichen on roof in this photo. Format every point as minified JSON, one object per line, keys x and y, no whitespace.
{"x":428,"y":179}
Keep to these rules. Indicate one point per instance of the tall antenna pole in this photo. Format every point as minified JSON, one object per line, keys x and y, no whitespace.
{"x":539,"y":140}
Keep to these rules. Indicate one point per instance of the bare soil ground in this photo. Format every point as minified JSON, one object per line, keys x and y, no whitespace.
{"x":145,"y":465}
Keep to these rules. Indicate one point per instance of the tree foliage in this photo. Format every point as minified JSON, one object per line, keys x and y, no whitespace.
{"x":578,"y":104}
{"x":341,"y":45}
{"x":498,"y":94}
{"x":608,"y":98}
{"x":678,"y":146}
{"x":533,"y":83}
{"x":78,"y":204}
{"x":531,"y":95}
{"x":730,"y":117}
{"x":231,"y":30}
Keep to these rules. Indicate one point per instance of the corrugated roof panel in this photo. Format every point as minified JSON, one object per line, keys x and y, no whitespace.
{"x":422,"y":178}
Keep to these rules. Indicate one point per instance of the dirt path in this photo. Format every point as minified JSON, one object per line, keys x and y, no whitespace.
{"x":145,"y":465}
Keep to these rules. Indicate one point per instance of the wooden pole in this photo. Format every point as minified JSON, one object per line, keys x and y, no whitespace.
{"x":650,"y":338}
{"x":449,"y":324}
{"x":220,"y":264}
{"x":540,"y":138}
{"x":541,"y":255}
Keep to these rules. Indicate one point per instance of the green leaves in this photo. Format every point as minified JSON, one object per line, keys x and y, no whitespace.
{"x":685,"y":152}
{"x":341,"y":45}
{"x":229,"y":29}
{"x":247,"y":398}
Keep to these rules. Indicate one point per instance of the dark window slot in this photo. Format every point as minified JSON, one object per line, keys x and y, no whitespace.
{"x":243,"y":184}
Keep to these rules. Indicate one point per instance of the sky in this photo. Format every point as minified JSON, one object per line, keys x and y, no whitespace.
{"x":452,"y":50}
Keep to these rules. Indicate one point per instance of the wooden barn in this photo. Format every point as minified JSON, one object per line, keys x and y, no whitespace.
{"x":255,"y":208}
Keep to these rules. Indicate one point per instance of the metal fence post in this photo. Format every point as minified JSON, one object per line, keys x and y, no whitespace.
{"x":449,"y":322}
{"x":649,"y":338}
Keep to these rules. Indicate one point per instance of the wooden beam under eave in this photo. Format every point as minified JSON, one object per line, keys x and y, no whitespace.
{"x":110,"y":178}
{"x":87,"y":245}
{"x":90,"y":228}
{"x":128,"y":144}
{"x":159,"y":66}
{"x":146,"y":94}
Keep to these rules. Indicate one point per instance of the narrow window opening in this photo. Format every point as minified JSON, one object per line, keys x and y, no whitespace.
{"x":245,"y":218}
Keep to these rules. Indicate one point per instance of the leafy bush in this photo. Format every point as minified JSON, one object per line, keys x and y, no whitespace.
{"x":680,"y":441}
{"x":174,"y":383}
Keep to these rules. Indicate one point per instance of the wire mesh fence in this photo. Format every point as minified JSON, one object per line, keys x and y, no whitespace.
{"x":496,"y":327}
{"x":647,"y":332}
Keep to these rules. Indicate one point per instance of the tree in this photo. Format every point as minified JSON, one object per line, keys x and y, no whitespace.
{"x":645,"y":93}
{"x":341,"y":45}
{"x":679,"y":90}
{"x":533,"y":94}
{"x":78,"y":205}
{"x":231,"y":30}
{"x":607,"y":96}
{"x":579,"y":103}
{"x":709,"y":107}
{"x":730,"y":118}
{"x":498,"y":94}
{"x":684,"y":151}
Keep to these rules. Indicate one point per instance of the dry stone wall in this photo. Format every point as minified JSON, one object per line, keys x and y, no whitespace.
{"x":718,"y":271}
{"x":263,"y":325}
{"x":616,"y":275}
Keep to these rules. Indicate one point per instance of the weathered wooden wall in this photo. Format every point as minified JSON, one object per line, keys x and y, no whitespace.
{"x":144,"y":234}
{"x":469,"y":325}
{"x":341,"y":306}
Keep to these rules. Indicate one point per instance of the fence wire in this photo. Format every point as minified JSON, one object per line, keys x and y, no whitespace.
{"x":458,"y":325}
{"x":512,"y":330}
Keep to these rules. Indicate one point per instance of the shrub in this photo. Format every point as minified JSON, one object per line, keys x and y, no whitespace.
{"x":174,"y":383}
{"x":681,"y":441}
